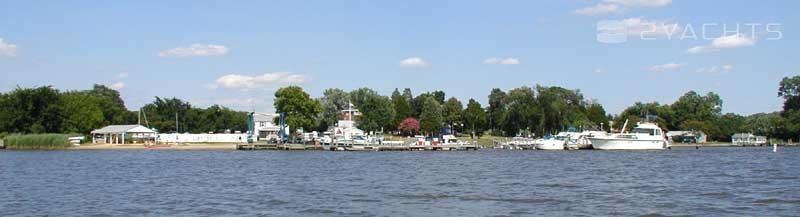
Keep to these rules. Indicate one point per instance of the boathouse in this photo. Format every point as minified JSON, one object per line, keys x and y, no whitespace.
{"x":122,"y":134}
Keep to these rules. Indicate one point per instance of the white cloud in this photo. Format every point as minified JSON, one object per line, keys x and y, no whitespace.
{"x":266,"y":80}
{"x":724,"y":42}
{"x":117,"y":85}
{"x":414,"y":62}
{"x":615,"y":6}
{"x":644,"y":28}
{"x":502,"y":61}
{"x":641,"y":3}
{"x":195,"y":50}
{"x":666,"y":67}
{"x":599,"y":9}
{"x":715,"y":69}
{"x":599,"y":71}
{"x":727,"y":67}
{"x":122,"y":75}
{"x":7,"y":50}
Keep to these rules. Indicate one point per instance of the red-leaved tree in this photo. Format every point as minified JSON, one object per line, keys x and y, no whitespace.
{"x":409,"y":126}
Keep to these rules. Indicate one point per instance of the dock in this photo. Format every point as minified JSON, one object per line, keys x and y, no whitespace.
{"x":354,"y":147}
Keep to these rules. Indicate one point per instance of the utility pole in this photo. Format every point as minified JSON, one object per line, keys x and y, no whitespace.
{"x":177,"y":130}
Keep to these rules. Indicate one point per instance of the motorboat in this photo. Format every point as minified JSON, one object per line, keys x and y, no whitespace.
{"x":644,"y":136}
{"x":557,"y":142}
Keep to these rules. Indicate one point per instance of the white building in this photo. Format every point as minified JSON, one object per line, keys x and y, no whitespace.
{"x":748,"y":139}
{"x":119,"y":134}
{"x":265,"y":128}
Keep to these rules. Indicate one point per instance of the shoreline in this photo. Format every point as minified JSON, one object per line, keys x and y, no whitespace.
{"x":204,"y":146}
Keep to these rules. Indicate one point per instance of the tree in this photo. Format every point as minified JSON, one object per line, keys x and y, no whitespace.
{"x":377,"y":112}
{"x":475,"y":117}
{"x":112,"y":105}
{"x":596,"y":114}
{"x":561,"y":108}
{"x":522,"y":112}
{"x":32,"y":110}
{"x":497,"y":108}
{"x":402,"y":107}
{"x":333,"y":101}
{"x":418,"y":102}
{"x":729,"y":124}
{"x":789,"y":89}
{"x":82,"y":112}
{"x":299,"y":108}
{"x":451,"y":112}
{"x":693,"y":107}
{"x":439,"y":96}
{"x":639,"y":110}
{"x":409,"y":126}
{"x":431,"y":117}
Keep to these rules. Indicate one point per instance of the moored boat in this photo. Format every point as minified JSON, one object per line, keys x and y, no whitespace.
{"x":643,"y":137}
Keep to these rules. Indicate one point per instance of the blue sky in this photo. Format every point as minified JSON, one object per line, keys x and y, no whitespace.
{"x":237,"y":53}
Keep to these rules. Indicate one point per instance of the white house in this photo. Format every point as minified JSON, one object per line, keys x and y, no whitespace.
{"x":264,"y":128}
{"x":748,"y":139}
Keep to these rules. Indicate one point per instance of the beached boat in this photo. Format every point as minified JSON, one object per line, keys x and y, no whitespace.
{"x":644,"y":136}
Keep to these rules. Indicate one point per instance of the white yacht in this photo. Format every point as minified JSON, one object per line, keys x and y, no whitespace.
{"x":645,"y":136}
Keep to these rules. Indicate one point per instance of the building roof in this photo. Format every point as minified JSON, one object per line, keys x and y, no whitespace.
{"x":123,"y":129}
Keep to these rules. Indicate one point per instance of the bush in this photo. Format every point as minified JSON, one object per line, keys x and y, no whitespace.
{"x":37,"y":141}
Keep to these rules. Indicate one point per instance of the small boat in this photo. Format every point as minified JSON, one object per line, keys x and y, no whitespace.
{"x":645,"y":136}
{"x":557,"y":142}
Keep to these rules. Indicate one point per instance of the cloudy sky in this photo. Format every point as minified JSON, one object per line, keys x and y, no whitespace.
{"x":237,"y":54}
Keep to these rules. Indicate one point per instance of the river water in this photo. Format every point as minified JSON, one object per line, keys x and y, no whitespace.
{"x":732,"y":181}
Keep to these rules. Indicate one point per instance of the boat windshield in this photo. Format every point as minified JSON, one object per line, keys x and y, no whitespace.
{"x":644,"y":131}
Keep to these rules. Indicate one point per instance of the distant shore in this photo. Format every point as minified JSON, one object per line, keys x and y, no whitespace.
{"x":203,"y":146}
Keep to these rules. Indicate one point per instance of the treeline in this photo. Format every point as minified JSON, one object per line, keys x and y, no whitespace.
{"x":521,"y":110}
{"x":536,"y":110}
{"x":48,"y":110}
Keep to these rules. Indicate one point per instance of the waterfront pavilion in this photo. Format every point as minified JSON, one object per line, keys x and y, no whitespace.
{"x":119,"y":134}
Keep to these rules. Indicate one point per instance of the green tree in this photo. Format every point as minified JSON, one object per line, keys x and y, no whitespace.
{"x":82,"y":112}
{"x":32,"y":110}
{"x":597,"y":114}
{"x":402,"y":107}
{"x":789,"y":89}
{"x":497,"y":108}
{"x":694,"y":107}
{"x":300,"y":110}
{"x":639,"y":110}
{"x":522,"y":114}
{"x":451,"y":112}
{"x":112,"y":105}
{"x":431,"y":118}
{"x":729,"y":124}
{"x":377,"y":112}
{"x":475,"y":117}
{"x":333,"y":101}
{"x":418,"y":102}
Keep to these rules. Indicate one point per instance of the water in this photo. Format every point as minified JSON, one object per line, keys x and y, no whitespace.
{"x":707,"y":182}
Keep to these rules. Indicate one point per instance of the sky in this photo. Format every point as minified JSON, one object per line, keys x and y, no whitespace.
{"x":238,"y":53}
